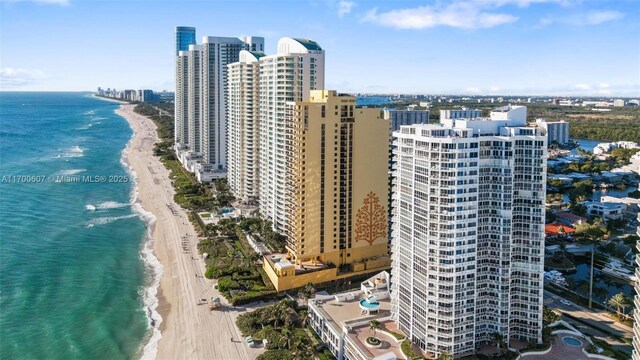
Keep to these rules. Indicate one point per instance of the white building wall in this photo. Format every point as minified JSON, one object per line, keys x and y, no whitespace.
{"x":181,"y":104}
{"x":285,"y":77}
{"x":243,"y":116}
{"x":467,"y":234}
{"x":194,"y":60}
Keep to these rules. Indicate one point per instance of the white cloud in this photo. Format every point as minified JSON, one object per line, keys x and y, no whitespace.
{"x":599,"y":17}
{"x":46,"y":2}
{"x":591,"y":18}
{"x":13,"y":77}
{"x":582,"y":86}
{"x":345,"y":7}
{"x":472,"y":90}
{"x":458,"y":14}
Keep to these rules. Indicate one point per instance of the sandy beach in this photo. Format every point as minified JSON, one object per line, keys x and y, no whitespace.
{"x":188,"y":330}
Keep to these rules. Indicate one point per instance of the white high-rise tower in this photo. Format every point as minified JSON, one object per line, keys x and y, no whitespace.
{"x":242,"y":126}
{"x":194,"y":61}
{"x":288,"y":76}
{"x":217,"y":53}
{"x":181,"y":101}
{"x":468,"y":231}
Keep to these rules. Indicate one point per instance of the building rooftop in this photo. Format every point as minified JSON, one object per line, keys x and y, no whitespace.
{"x":555,"y":229}
{"x":308,"y":43}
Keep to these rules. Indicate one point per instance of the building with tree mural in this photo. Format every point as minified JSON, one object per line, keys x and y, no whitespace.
{"x":337,"y":166}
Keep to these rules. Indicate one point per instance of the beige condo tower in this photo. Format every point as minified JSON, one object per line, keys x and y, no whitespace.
{"x":336,"y":199}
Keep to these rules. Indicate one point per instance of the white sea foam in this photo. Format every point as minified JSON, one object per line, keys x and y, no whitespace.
{"x":153,"y":267}
{"x":90,"y":112}
{"x":108,"y":219}
{"x":111,"y":205}
{"x":90,"y":207}
{"x":72,"y":171}
{"x":73,"y":152}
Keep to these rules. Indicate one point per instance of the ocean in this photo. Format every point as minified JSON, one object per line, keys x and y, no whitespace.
{"x":77,"y":278}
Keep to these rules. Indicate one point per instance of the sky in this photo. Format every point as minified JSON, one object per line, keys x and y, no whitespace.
{"x":494,"y":47}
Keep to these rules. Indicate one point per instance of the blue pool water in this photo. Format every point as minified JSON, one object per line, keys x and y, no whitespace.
{"x":572,"y":341}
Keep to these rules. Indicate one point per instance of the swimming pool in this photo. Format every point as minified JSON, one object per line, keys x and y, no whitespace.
{"x":572,"y":341}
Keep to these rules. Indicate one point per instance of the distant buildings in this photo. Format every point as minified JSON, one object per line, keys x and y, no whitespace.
{"x":144,"y":95}
{"x":468,"y":232}
{"x":618,"y":103}
{"x":557,"y":131}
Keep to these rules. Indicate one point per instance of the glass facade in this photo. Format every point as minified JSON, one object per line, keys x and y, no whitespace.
{"x":185,"y":36}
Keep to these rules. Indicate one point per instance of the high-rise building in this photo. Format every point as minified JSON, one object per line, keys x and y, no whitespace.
{"x":398,"y":118}
{"x":217,"y":53}
{"x":181,"y":102}
{"x":557,"y":131}
{"x":468,"y":231}
{"x":290,"y":75}
{"x":463,"y":113}
{"x":636,"y":301}
{"x":185,"y":36}
{"x":194,"y":91}
{"x":335,"y":191}
{"x":242,"y":125}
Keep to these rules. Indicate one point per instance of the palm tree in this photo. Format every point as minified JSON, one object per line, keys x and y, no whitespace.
{"x":498,"y":339}
{"x":286,"y":336}
{"x":445,"y":356}
{"x":591,"y":233}
{"x":619,"y":301}
{"x":301,"y":350}
{"x":304,"y":316}
{"x":373,"y":326}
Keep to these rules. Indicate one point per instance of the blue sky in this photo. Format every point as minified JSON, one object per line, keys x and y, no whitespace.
{"x":519,"y":47}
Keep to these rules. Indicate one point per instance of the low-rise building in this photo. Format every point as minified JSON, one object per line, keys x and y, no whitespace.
{"x":342,"y":321}
{"x":605,"y":211}
{"x":570,"y":219}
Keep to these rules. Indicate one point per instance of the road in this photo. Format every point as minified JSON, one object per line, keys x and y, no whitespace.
{"x":598,"y":321}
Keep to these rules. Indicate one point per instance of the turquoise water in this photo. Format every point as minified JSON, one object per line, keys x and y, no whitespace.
{"x":372,"y":100}
{"x":74,"y":278}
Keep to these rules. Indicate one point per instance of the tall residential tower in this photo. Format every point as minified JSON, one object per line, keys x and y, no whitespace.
{"x":287,"y":76}
{"x":468,"y":231}
{"x":217,"y":53}
{"x":242,"y":125}
{"x":334,"y":171}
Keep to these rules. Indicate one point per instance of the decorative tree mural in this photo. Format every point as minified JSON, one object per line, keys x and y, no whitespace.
{"x":371,"y":220}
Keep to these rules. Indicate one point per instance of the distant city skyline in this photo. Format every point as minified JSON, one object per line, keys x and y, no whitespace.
{"x":463,"y":47}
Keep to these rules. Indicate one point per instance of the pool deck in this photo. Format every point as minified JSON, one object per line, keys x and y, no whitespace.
{"x":561,"y":351}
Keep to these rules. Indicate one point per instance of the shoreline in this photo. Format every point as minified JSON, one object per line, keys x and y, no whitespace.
{"x":185,"y":327}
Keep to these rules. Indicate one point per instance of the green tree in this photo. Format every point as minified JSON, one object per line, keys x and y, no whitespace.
{"x":445,"y":356}
{"x":549,"y":316}
{"x":619,"y":301}
{"x":286,"y":336}
{"x":373,"y":326}
{"x":301,"y":349}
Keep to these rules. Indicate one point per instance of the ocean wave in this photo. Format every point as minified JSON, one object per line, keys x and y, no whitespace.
{"x":73,"y":152}
{"x":85,"y":127}
{"x":106,"y":205}
{"x":72,"y":171}
{"x":108,"y":219}
{"x":90,"y":112}
{"x":153,"y":266}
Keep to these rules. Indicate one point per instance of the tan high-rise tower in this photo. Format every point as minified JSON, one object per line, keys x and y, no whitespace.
{"x":337,"y":171}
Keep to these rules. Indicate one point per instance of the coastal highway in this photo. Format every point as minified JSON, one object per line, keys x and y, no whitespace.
{"x":598,"y":321}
